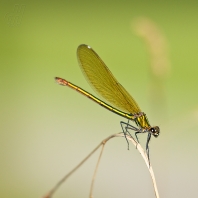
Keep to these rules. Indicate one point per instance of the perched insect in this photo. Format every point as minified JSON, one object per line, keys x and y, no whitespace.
{"x":105,"y":84}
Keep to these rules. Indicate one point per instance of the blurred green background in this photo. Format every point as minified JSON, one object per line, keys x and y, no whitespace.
{"x":47,"y":129}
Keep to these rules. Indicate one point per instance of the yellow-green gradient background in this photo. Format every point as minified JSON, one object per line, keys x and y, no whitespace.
{"x":46,"y":129}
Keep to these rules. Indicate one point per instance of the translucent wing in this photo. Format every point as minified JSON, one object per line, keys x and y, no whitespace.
{"x":103,"y":81}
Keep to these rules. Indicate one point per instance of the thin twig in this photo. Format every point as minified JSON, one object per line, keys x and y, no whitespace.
{"x":53,"y":190}
{"x":144,"y":156}
{"x":137,"y":145}
{"x":94,"y":176}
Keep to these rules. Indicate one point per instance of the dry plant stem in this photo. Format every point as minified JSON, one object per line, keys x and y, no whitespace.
{"x":53,"y":190}
{"x":96,"y":169}
{"x":144,"y":156}
{"x":137,"y":145}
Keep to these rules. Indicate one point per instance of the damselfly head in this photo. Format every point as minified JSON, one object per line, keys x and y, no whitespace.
{"x":155,"y":131}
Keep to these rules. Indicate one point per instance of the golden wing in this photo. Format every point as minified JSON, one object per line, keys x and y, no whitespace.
{"x":103,"y":81}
